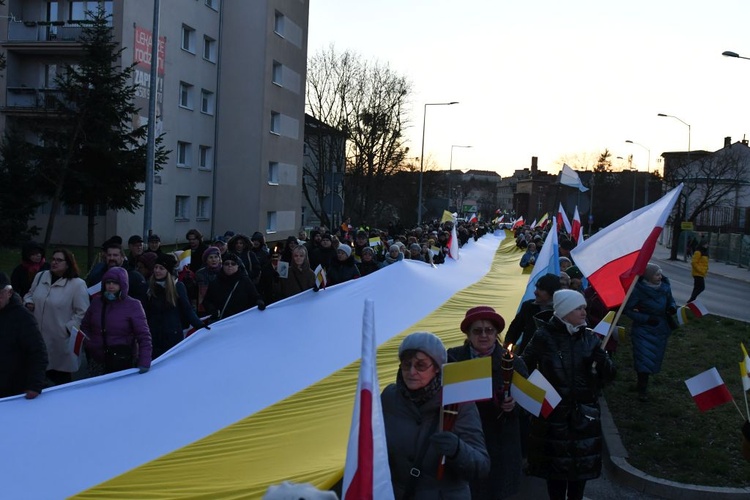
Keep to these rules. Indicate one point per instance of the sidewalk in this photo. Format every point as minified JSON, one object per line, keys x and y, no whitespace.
{"x":661,"y":253}
{"x":616,"y":456}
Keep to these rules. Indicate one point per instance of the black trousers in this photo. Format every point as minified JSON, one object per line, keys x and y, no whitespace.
{"x":699,"y":284}
{"x":556,"y":488}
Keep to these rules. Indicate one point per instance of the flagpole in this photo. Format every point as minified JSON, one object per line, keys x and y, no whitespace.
{"x":619,"y":312}
{"x":744,"y":393}
{"x":738,"y":409}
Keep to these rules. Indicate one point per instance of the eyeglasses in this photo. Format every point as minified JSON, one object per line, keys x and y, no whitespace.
{"x":487,"y":330}
{"x":57,"y":260}
{"x":230,"y":263}
{"x":419,"y":365}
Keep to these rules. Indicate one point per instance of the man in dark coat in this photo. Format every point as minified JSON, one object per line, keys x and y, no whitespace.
{"x":23,"y":355}
{"x":524,"y":325}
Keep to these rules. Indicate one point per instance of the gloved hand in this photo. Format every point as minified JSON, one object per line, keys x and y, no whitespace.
{"x":261,"y":305}
{"x":599,"y":356}
{"x":142,"y":369}
{"x":652,"y":321}
{"x":205,"y":325}
{"x":671,"y":311}
{"x":446,"y":443}
{"x":315,"y":288}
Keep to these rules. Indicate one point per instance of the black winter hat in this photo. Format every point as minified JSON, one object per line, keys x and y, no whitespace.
{"x":257,"y":236}
{"x":167,"y":261}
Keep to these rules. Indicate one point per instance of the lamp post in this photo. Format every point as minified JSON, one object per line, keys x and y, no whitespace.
{"x":450,"y":172}
{"x":648,"y":169}
{"x":687,"y":196}
{"x":421,"y":157}
{"x":729,"y":53}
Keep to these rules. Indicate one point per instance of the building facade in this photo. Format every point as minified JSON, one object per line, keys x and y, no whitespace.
{"x":230,"y":103}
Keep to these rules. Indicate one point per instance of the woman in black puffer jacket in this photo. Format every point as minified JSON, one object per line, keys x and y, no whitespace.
{"x":565,"y":448}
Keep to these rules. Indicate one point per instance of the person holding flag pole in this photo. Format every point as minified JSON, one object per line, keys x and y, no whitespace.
{"x":565,"y":448}
{"x":427,"y":462}
{"x":500,"y":415}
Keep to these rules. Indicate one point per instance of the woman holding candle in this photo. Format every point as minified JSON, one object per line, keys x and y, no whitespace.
{"x":566,"y":447}
{"x":412,"y":417}
{"x":500,"y":415}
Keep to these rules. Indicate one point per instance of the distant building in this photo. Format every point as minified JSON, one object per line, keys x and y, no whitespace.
{"x":532,"y":198}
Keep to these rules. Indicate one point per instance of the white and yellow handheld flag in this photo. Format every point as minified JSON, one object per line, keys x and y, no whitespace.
{"x":467,"y":381}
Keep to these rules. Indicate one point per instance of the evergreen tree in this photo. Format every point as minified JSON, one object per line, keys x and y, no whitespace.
{"x":96,"y":153}
{"x":17,"y":184}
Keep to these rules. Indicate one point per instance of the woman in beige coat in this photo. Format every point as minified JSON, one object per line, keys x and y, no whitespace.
{"x":59,"y":299}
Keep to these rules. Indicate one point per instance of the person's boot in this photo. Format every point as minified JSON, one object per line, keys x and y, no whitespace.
{"x":641,"y":386}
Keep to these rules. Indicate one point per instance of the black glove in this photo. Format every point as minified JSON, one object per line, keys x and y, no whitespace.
{"x":315,"y":288}
{"x":205,"y":325}
{"x":671,"y":311}
{"x":261,"y":305}
{"x":446,"y":443}
{"x":599,"y":356}
{"x":143,"y":369}
{"x":652,"y":321}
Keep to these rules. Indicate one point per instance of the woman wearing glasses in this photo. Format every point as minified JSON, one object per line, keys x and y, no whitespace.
{"x":566,"y":447}
{"x":232,"y":291}
{"x":416,"y":444}
{"x":59,"y":299}
{"x":499,"y":415}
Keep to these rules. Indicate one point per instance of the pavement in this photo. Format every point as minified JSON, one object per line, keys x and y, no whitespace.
{"x":616,"y":456}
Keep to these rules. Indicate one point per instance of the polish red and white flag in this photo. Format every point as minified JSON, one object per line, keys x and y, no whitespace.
{"x":367,"y":475}
{"x":612,"y":258}
{"x":562,"y":219}
{"x":708,"y":390}
{"x":575,"y":227}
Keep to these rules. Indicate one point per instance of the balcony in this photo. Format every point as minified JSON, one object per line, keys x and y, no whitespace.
{"x":44,"y":36}
{"x":25,"y":101}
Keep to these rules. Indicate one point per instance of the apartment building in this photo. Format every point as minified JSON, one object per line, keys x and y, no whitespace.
{"x":230,"y":103}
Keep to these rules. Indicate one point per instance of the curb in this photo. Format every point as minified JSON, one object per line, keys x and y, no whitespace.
{"x":616,"y":459}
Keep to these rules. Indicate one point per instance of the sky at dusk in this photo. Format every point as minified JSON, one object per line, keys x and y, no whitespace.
{"x":556,"y":80}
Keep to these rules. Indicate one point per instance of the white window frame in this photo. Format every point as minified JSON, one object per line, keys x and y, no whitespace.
{"x":184,"y":153}
{"x":187,"y":39}
{"x":205,"y":157}
{"x":270,"y":222}
{"x":203,"y":208}
{"x":209,"y":49}
{"x":273,"y":173}
{"x":275,"y":123}
{"x":182,"y":207}
{"x":207,"y":102}
{"x":185,"y":96}
{"x":277,"y":74}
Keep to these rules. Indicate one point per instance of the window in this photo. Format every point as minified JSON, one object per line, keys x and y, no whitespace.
{"x":81,"y":10}
{"x":183,"y":154}
{"x":270,"y":222}
{"x":207,"y":102}
{"x":203,"y":208}
{"x":188,"y":39}
{"x":277,"y":73}
{"x":278,"y":24}
{"x":186,"y":95}
{"x":213,"y":4}
{"x":209,"y":49}
{"x":50,"y":76}
{"x":206,"y":160}
{"x":273,"y":173}
{"x":182,"y":207}
{"x":275,"y":123}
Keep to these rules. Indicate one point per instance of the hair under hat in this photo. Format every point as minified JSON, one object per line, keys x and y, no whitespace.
{"x":167,"y":261}
{"x":428,"y":343}
{"x":565,"y":301}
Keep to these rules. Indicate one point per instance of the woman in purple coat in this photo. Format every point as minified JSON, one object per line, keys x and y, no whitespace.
{"x":116,"y":327}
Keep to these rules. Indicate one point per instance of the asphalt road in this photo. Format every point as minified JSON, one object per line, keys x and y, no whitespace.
{"x":723,"y":296}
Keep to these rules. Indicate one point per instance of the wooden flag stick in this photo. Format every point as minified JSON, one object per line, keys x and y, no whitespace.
{"x":619,"y":312}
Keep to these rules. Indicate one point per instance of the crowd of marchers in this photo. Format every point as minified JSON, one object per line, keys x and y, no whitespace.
{"x":138,"y":301}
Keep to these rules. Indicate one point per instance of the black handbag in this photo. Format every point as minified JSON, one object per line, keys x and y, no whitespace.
{"x":116,"y":357}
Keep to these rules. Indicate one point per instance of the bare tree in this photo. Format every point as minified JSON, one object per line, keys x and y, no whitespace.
{"x":367,"y":103}
{"x":709,"y":182}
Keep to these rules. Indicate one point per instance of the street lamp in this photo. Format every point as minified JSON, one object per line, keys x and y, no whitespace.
{"x":421,"y":157}
{"x":687,"y":195}
{"x":729,"y":53}
{"x":648,"y":169}
{"x":450,"y":171}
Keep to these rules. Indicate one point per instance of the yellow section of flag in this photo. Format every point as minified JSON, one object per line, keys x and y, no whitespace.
{"x":467,"y":381}
{"x":527,"y":395}
{"x":447,"y":216}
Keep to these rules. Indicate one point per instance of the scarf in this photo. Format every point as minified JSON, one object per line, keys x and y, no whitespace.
{"x":476,"y":354}
{"x":420,"y":396}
